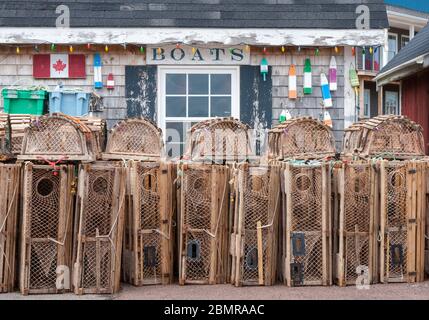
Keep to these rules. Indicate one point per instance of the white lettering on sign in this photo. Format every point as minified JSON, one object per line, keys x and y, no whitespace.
{"x":235,"y":55}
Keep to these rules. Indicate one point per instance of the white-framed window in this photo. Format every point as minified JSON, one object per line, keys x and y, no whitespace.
{"x":392,"y":42}
{"x":404,"y":40}
{"x":188,"y":94}
{"x":367,"y":102}
{"x":391,"y":102}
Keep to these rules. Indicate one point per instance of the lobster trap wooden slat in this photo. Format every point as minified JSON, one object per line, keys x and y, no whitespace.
{"x":356,"y":249}
{"x":301,"y":138}
{"x":134,"y":139}
{"x":387,"y":136}
{"x":46,"y":234}
{"x":59,"y":137}
{"x":100,"y":214}
{"x":254,"y":243}
{"x":218,"y":140}
{"x":9,"y":197}
{"x":12,"y":128}
{"x":308,"y":259}
{"x":148,"y":243}
{"x":402,"y":209}
{"x":203,"y":223}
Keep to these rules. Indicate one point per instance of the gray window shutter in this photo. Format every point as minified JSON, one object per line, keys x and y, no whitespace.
{"x":255,"y":97}
{"x":141,"y":91}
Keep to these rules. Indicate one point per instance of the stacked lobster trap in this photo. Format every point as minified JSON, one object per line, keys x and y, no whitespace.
{"x":305,"y":146}
{"x":385,"y":201}
{"x":12,"y":128}
{"x":148,"y":236}
{"x":9,"y":206}
{"x":254,"y":242}
{"x":99,"y":222}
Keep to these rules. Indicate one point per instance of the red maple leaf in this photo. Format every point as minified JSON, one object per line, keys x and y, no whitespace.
{"x":59,"y":66}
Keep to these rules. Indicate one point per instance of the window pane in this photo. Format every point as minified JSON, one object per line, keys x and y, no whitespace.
{"x":198,"y":107}
{"x":176,"y":106}
{"x":174,"y":150}
{"x":174,"y":132}
{"x":220,"y":106}
{"x":176,"y":83}
{"x":198,"y":84}
{"x":220,"y":84}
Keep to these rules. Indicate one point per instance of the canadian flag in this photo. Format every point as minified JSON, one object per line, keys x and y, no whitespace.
{"x":59,"y":66}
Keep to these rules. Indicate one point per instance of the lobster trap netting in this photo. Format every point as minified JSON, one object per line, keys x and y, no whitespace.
{"x":204,"y":210}
{"x":101,"y":207}
{"x":257,"y":214}
{"x":356,"y":218}
{"x":46,"y":228}
{"x":218,"y":139}
{"x":134,"y":138}
{"x":9,"y":197}
{"x":308,"y":225}
{"x":58,"y":136}
{"x":301,"y":138}
{"x":387,"y":136}
{"x":149,"y":230}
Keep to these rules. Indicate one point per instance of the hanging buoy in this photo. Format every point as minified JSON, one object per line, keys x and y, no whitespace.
{"x":292,"y":82}
{"x":333,"y":74}
{"x":326,"y":94}
{"x":98,"y":80}
{"x":327,"y":119}
{"x":284,"y":116}
{"x":354,"y":79}
{"x":110,"y":85}
{"x":264,"y":68}
{"x":307,"y":77}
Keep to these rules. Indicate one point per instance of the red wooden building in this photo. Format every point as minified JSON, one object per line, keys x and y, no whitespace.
{"x":410,"y":68}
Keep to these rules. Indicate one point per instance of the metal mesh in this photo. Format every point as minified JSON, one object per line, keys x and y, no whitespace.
{"x":198,"y":269}
{"x":301,"y":138}
{"x":53,"y":135}
{"x":136,"y":137}
{"x":357,"y":254}
{"x":220,"y":138}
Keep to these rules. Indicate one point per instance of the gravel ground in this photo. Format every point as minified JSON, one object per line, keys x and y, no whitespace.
{"x":227,"y":292}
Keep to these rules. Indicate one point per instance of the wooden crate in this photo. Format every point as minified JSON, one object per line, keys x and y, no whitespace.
{"x":148,"y":241}
{"x":308,"y":232}
{"x":100,"y":213}
{"x":402,"y":221}
{"x":301,"y":138}
{"x":59,"y":137}
{"x":134,"y":139}
{"x":254,"y":242}
{"x":46,"y":231}
{"x":203,"y":240}
{"x":9,"y":204}
{"x":387,"y":136}
{"x":218,"y":140}
{"x":355,"y":210}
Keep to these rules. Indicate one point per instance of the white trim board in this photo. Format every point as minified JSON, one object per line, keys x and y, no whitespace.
{"x":150,"y":36}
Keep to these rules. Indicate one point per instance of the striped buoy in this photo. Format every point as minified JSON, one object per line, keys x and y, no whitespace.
{"x":326,"y":94}
{"x":98,"y":80}
{"x":292,"y":82}
{"x":333,"y":74}
{"x":307,"y":77}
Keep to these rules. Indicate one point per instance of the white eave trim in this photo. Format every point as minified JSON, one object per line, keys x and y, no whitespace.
{"x":383,"y":78}
{"x":152,"y":36}
{"x":407,"y":19}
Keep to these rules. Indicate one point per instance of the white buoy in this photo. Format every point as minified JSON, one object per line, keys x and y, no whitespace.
{"x":333,"y":74}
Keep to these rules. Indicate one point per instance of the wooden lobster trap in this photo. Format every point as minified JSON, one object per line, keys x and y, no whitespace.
{"x":254,"y":243}
{"x":9,"y":197}
{"x":402,"y":221}
{"x":301,"y":138}
{"x":148,"y":243}
{"x":46,"y":230}
{"x":203,"y":243}
{"x":99,"y":133}
{"x":387,"y":136}
{"x":12,"y":128}
{"x":99,"y":225}
{"x":58,"y":137}
{"x":218,"y":140}
{"x":307,"y":217}
{"x":134,"y":139}
{"x":355,"y":211}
